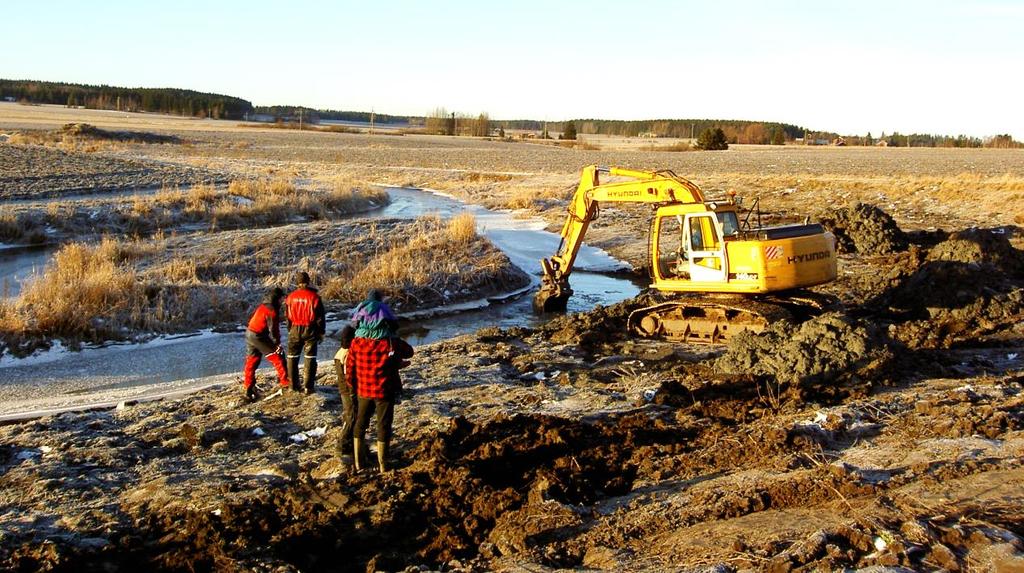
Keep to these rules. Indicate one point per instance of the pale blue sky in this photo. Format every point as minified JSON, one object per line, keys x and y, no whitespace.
{"x":936,"y":67}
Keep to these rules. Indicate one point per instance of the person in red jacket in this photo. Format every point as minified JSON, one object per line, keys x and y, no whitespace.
{"x":307,"y":323}
{"x":263,"y":337}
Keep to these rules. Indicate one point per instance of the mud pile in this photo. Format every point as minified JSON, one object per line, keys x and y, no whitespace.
{"x":830,"y":349}
{"x":601,"y":325}
{"x":462,"y":492}
{"x":987,"y":248}
{"x":864,"y":229}
{"x":968,"y":286}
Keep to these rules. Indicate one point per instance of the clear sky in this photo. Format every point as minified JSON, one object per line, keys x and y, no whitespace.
{"x":853,"y":66}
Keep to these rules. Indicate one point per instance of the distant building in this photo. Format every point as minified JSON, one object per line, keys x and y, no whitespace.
{"x":10,"y":98}
{"x":648,"y":134}
{"x":882,"y":143}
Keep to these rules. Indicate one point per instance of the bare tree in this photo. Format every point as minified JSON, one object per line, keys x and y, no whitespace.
{"x":482,"y":125}
{"x":437,"y":121}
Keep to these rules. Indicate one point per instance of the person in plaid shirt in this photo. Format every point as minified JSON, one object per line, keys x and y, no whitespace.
{"x":372,"y":369}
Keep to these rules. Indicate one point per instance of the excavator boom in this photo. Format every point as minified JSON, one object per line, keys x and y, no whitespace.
{"x":654,"y":187}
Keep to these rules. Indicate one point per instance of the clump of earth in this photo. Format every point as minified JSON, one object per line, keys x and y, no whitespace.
{"x":825,"y":350}
{"x":865,"y":229}
{"x":965,"y":287}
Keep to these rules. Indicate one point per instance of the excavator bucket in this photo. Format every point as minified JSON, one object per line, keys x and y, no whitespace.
{"x":552,"y":297}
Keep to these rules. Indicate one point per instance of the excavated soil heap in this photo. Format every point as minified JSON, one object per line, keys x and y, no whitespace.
{"x":830,"y":349}
{"x":603,"y":324}
{"x":865,"y":229}
{"x":967,"y":286}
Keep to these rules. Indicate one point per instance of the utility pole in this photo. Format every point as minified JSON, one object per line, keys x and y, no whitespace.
{"x":300,"y":119}
{"x":691,"y":133}
{"x":371,"y":121}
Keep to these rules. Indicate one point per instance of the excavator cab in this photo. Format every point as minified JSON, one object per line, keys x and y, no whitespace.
{"x":690,"y":246}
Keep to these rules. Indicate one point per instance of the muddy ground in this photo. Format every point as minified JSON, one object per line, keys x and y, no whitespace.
{"x":884,"y":434}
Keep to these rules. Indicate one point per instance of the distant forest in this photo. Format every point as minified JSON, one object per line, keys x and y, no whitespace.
{"x":290,"y":112}
{"x":736,"y":131}
{"x":160,"y":100}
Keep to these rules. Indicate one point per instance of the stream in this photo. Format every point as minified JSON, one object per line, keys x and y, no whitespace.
{"x":53,"y":380}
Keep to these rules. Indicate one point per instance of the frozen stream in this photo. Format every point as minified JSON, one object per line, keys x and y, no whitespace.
{"x":59,"y":379}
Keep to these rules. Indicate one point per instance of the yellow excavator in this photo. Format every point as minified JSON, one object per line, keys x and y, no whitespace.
{"x":718,"y":275}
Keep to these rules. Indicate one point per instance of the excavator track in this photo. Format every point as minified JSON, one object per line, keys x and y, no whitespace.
{"x":715,"y":320}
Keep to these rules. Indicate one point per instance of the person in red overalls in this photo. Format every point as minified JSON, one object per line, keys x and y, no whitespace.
{"x":307,"y":323}
{"x":263,"y":337}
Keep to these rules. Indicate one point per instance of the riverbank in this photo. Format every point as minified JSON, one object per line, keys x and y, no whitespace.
{"x":131,"y":290}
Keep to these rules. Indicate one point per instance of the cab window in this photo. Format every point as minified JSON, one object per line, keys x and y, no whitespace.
{"x":671,"y":251}
{"x":730,"y":223}
{"x":703,"y":234}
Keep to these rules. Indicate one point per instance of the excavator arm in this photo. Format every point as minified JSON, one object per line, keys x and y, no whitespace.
{"x":654,"y":187}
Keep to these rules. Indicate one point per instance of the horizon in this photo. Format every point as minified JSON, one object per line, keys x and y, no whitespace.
{"x":916,"y":67}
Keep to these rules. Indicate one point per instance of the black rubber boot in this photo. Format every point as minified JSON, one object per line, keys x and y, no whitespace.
{"x":309,"y":375}
{"x":251,"y":394}
{"x":293,"y":373}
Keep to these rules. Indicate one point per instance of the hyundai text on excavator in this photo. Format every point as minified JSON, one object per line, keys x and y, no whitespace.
{"x":717,"y":275}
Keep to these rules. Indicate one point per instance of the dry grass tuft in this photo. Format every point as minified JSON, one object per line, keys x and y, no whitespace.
{"x":462,"y":228}
{"x":21,"y":227}
{"x":258,"y":202}
{"x":484,"y":177}
{"x":86,"y":291}
{"x":122,"y":289}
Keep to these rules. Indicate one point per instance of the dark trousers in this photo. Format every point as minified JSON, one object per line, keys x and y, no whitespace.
{"x":384,"y":410}
{"x":348,"y":410}
{"x":302,"y":341}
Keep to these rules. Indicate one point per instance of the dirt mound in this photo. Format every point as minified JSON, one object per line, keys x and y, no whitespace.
{"x":965,"y":287}
{"x":985,"y":247}
{"x":91,"y":132}
{"x":865,"y":229}
{"x":467,"y":487}
{"x":829,"y":349}
{"x":603,"y":324}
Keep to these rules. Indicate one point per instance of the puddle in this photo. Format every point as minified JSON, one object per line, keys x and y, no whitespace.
{"x":18,"y":263}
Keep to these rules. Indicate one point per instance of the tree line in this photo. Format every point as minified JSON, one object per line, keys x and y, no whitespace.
{"x":161,"y":100}
{"x":896,"y":139}
{"x":288,"y":112}
{"x":200,"y":104}
{"x":736,"y":131}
